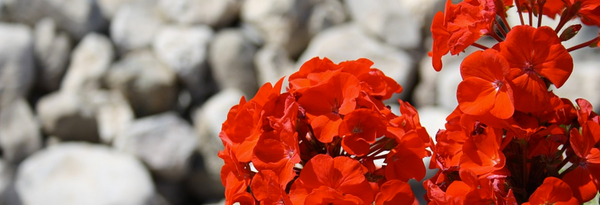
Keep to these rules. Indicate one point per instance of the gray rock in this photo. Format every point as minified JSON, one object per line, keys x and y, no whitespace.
{"x":184,"y":50}
{"x":90,"y":60}
{"x":398,"y":23}
{"x":5,"y":176}
{"x":135,"y":25}
{"x":79,"y":173}
{"x":68,"y":116}
{"x":231,"y":57}
{"x":215,"y":13}
{"x":349,"y":42}
{"x":52,"y":52}
{"x":8,"y":194}
{"x":19,"y":130}
{"x":272,"y":63}
{"x":164,"y":142}
{"x":207,"y":121}
{"x":147,"y":84}
{"x":78,"y":17}
{"x":281,"y":22}
{"x":17,"y":69}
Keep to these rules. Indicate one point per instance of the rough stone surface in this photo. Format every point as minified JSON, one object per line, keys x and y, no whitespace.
{"x":19,"y":130}
{"x":135,"y":25}
{"x":215,"y":13}
{"x":231,"y":57}
{"x":78,"y":17}
{"x":90,"y":61}
{"x":164,"y":142}
{"x":184,"y":50}
{"x":52,"y":52}
{"x":68,"y":116}
{"x":393,"y":62}
{"x":281,"y":22}
{"x":79,"y":173}
{"x":147,"y":84}
{"x":17,"y":71}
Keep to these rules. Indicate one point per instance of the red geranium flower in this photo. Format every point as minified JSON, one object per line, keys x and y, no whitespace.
{"x":552,"y":191}
{"x":535,"y":54}
{"x":485,"y":88}
{"x":325,"y":180}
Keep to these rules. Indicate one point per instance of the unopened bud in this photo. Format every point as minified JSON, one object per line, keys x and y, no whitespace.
{"x":570,"y":32}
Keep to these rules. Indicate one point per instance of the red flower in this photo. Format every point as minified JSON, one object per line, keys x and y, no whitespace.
{"x":485,"y":88}
{"x":359,"y":129}
{"x":404,"y":156}
{"x":535,"y":54}
{"x":552,"y":191}
{"x":326,"y":102}
{"x":460,"y":26}
{"x":481,"y":152}
{"x":395,"y":192}
{"x":324,"y":178}
{"x":267,"y":189}
{"x":589,"y":11}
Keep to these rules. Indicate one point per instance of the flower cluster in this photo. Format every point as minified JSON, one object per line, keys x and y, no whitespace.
{"x":511,"y":139}
{"x":328,"y":139}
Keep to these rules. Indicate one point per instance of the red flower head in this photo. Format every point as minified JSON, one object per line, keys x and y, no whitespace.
{"x":535,"y":55}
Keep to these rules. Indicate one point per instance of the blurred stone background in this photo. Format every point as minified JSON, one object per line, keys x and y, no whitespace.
{"x":121,"y":101}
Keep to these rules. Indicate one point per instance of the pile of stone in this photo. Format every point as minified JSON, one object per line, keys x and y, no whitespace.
{"x":121,"y":101}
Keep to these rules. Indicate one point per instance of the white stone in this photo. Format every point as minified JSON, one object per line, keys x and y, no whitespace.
{"x":397,"y":22}
{"x":17,"y":69}
{"x":207,"y":122}
{"x":109,"y":7}
{"x":326,"y":14}
{"x":19,"y":130}
{"x":113,"y":116}
{"x":68,"y":116}
{"x":433,"y":119}
{"x":90,"y":60}
{"x":52,"y":52}
{"x":184,"y":49}
{"x":281,"y":22}
{"x":272,"y":63}
{"x":79,"y":173}
{"x":77,"y":17}
{"x":164,"y":142}
{"x":231,"y":57}
{"x":215,"y":13}
{"x":135,"y":25}
{"x":583,"y":83}
{"x":147,"y":84}
{"x":446,"y":84}
{"x":349,"y":42}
